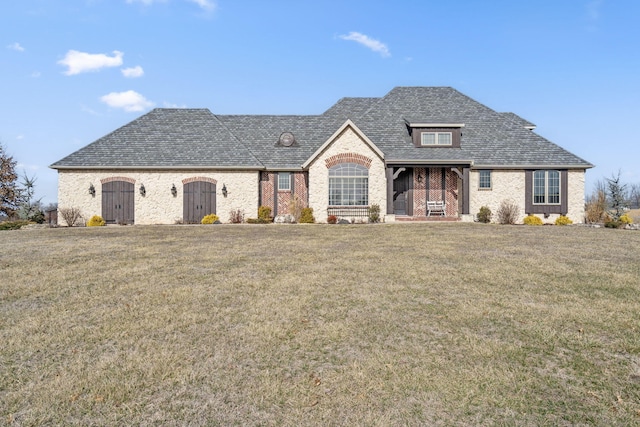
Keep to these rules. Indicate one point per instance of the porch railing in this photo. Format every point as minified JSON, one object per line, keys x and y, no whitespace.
{"x":348,"y":211}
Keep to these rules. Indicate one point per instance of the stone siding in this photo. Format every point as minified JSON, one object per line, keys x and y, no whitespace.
{"x":159,"y":206}
{"x":350,"y":147}
{"x":510,"y":185}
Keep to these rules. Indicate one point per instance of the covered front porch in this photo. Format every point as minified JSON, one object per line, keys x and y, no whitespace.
{"x":433,"y":192}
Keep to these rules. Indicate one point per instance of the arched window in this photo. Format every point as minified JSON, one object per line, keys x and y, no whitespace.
{"x":348,"y":185}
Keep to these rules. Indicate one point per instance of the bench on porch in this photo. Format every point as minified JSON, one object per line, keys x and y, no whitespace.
{"x":436,"y":207}
{"x":349,"y":211}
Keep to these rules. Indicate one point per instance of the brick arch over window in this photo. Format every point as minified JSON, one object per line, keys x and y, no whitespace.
{"x":358,"y":159}
{"x":199,"y":178}
{"x":117,"y":178}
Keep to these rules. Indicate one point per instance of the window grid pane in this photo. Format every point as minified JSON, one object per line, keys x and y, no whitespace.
{"x":284,"y":181}
{"x":538,"y":187}
{"x":428,"y":138}
{"x":444,"y":138}
{"x":553,"y":187}
{"x":348,"y":185}
{"x":485,"y":179}
{"x":546,"y":187}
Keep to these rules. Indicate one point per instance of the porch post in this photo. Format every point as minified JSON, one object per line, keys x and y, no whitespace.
{"x":389,"y":173}
{"x":465,"y":191}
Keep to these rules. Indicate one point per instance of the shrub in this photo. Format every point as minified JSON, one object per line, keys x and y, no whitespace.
{"x":257,"y":221}
{"x":295,"y":207}
{"x":210,"y":219}
{"x":614,"y":224}
{"x":563,"y":220}
{"x":71,"y":216}
{"x":96,"y":221}
{"x":13,"y":225}
{"x":37,"y":217}
{"x":508,"y":212}
{"x":532,"y":220}
{"x":332,"y":219}
{"x":236,"y":217}
{"x":264,"y":213}
{"x":484,"y":215}
{"x":626,"y":219}
{"x":374,"y":213}
{"x":306,"y":216}
{"x":596,"y":206}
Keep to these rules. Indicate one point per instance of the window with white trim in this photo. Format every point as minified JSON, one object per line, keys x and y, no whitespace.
{"x":284,"y":181}
{"x":348,"y":185}
{"x":436,"y":138}
{"x":546,"y":187}
{"x":484,"y":182}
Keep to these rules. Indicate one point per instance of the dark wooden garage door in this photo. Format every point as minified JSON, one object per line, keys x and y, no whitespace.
{"x":199,"y":200}
{"x":118,"y":202}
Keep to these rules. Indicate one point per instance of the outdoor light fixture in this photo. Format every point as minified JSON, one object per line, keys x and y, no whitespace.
{"x":419,"y":178}
{"x":174,"y":190}
{"x":92,"y":190}
{"x":224,"y":190}
{"x":143,"y":191}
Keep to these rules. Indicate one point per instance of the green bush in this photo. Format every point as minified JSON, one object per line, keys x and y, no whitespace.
{"x":563,"y":220}
{"x":13,"y":225}
{"x":532,"y":220}
{"x":96,"y":221}
{"x":209,"y":219}
{"x":374,"y":213}
{"x":614,"y":224}
{"x":264,"y":213}
{"x":484,"y":215}
{"x":307,"y":216}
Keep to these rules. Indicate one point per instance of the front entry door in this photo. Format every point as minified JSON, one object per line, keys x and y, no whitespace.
{"x":402,"y":193}
{"x":118,"y":202}
{"x":199,"y":200}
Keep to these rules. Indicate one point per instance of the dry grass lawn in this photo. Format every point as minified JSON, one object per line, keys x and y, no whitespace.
{"x":398,"y":324}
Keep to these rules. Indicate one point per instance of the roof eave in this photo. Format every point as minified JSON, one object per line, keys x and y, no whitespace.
{"x":536,"y":166}
{"x":147,"y":168}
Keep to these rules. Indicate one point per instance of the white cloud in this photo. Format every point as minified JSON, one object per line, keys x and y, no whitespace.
{"x":166,"y":104}
{"x":36,"y":74}
{"x":129,"y":101}
{"x":593,"y":9}
{"x":16,"y":46}
{"x":368,"y":42}
{"x":145,"y":2}
{"x":206,"y":5}
{"x":134,"y":72}
{"x":81,"y":62}
{"x":20,"y":137}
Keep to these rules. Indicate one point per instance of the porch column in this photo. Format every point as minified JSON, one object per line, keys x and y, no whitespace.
{"x":465,"y":191}
{"x":389,"y":173}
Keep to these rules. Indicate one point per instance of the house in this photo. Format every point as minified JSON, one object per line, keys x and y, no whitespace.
{"x":416,"y":152}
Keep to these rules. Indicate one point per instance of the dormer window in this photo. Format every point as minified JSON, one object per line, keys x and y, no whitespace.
{"x":436,"y":138}
{"x":427,"y":134}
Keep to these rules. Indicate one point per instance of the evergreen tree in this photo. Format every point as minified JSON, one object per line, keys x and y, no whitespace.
{"x":617,"y":200}
{"x":9,"y":190}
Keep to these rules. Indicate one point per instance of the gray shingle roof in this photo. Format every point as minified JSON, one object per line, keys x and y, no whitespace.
{"x":166,"y":138}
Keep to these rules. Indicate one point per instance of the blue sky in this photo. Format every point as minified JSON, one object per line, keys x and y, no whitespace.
{"x":74,"y":70}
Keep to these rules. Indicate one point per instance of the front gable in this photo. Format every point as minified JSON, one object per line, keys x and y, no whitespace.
{"x":353,"y":135}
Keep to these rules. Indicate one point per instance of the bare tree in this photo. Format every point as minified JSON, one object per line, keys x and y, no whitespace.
{"x":634,"y":196}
